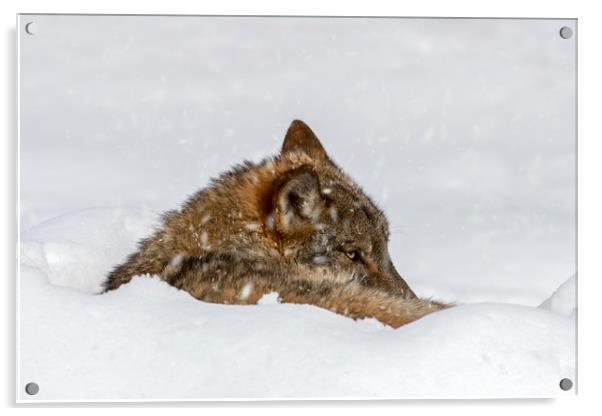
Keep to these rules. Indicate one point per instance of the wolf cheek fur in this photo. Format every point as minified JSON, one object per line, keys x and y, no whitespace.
{"x":294,"y":224}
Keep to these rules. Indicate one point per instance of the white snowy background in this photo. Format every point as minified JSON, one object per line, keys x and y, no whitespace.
{"x":462,"y":130}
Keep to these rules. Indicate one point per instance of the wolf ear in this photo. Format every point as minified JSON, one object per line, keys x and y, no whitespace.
{"x":297,"y":202}
{"x":300,"y":138}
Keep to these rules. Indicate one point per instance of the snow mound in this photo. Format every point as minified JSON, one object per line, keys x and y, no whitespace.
{"x":150,"y":340}
{"x":78,"y":249}
{"x":563,"y":300}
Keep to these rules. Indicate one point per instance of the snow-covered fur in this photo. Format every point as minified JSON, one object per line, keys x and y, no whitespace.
{"x":294,"y":224}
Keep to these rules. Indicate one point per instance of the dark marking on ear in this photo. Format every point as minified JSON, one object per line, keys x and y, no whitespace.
{"x":300,"y":138}
{"x":297,"y":202}
{"x":368,"y":213}
{"x":300,"y":191}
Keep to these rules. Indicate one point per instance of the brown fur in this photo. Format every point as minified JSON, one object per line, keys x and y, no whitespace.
{"x":294,"y":224}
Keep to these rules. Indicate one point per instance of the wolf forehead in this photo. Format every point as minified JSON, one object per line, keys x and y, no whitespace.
{"x":343,"y":193}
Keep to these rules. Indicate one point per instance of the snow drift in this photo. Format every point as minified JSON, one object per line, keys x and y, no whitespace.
{"x":148,"y":340}
{"x":563,"y":300}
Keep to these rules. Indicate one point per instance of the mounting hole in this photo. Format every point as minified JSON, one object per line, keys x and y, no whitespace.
{"x":565,"y":33}
{"x":32,"y":389}
{"x":566,"y":384}
{"x":31,"y":28}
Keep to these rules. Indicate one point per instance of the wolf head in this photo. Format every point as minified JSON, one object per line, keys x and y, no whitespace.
{"x":324,"y":219}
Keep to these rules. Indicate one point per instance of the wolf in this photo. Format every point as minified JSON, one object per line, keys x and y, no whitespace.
{"x":295,"y":225}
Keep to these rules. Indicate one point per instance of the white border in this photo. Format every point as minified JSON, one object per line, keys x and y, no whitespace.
{"x":589,"y":169}
{"x":18,"y":207}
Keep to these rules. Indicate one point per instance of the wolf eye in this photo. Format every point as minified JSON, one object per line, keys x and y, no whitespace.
{"x":353,"y":254}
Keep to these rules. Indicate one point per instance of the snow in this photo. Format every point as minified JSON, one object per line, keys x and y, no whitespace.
{"x":321,"y":259}
{"x":563,"y":300}
{"x":176,"y":261}
{"x":77,"y":250}
{"x":334,"y":215}
{"x":246,"y":291}
{"x":269,"y":299}
{"x":461,"y":130}
{"x":252,"y":226}
{"x":205,"y":240}
{"x":150,"y":340}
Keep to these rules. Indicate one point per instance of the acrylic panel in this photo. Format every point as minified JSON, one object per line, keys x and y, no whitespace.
{"x":288,"y":278}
